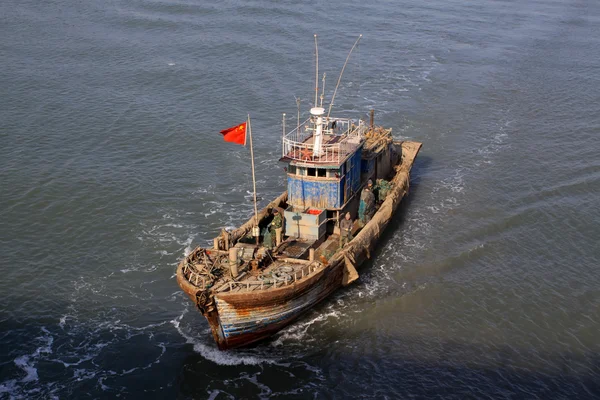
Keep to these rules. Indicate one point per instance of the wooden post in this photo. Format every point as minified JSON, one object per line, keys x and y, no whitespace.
{"x":225,"y":235}
{"x":372,"y":119}
{"x":233,"y":261}
{"x":311,"y":254}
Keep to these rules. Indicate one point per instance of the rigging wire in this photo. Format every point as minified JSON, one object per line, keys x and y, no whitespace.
{"x":340,"y":77}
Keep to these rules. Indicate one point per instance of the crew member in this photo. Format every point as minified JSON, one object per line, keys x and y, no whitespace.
{"x":366,"y":209}
{"x":346,"y":230}
{"x":277,"y":226}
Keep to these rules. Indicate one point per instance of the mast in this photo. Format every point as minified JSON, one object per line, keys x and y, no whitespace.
{"x":316,"y":72}
{"x":283,"y":135}
{"x":317,"y":116}
{"x":257,"y":235}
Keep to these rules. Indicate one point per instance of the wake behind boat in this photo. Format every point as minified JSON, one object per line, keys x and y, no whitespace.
{"x":345,"y":180}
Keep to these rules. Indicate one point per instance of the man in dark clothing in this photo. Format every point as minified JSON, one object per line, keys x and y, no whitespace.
{"x":346,"y":230}
{"x":366,"y":208}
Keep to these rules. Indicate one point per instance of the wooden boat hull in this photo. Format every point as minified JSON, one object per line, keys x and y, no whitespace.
{"x":246,"y":319}
{"x":241,"y":318}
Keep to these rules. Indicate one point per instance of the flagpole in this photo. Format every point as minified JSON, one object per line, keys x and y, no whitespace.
{"x":254,"y":183}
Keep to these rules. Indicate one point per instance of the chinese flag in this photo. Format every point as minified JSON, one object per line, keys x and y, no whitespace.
{"x":235,"y":134}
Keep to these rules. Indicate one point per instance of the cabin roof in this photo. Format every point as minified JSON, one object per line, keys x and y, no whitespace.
{"x":340,"y":139}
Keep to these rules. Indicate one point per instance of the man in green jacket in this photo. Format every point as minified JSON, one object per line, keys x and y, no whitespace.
{"x":277,"y":226}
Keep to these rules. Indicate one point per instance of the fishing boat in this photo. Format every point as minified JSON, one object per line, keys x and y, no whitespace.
{"x":248,"y":287}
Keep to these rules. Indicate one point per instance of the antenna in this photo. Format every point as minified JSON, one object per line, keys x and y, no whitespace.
{"x":298,"y":104}
{"x":323,"y":91}
{"x":317,"y":71}
{"x":283,"y":137}
{"x":341,"y":73}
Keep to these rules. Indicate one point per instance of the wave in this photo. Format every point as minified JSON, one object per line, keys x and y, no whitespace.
{"x":212,"y":353}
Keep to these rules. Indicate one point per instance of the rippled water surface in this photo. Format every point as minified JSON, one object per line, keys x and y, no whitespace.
{"x":486,"y":284}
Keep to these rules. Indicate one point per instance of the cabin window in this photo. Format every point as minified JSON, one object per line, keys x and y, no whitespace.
{"x":331,"y":173}
{"x":321,"y":172}
{"x":301,"y":171}
{"x":292,"y":169}
{"x":311,"y":171}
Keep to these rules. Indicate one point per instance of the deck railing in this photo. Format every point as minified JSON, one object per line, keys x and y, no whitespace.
{"x":273,"y":282}
{"x":349,"y":132}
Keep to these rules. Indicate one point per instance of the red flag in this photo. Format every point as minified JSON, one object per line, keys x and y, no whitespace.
{"x":235,"y":134}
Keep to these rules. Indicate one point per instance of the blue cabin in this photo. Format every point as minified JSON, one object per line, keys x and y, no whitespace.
{"x":324,"y":167}
{"x":329,"y":160}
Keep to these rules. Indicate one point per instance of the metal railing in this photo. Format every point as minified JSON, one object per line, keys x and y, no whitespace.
{"x":295,"y":144}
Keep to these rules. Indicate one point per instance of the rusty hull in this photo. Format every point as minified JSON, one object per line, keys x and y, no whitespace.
{"x":240,"y":318}
{"x":247,"y":317}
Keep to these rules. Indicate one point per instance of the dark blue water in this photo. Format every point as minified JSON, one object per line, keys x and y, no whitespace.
{"x":486,"y":285}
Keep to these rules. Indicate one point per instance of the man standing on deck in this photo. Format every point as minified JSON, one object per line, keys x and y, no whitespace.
{"x":346,"y":230}
{"x":366,"y":209}
{"x":277,"y":225}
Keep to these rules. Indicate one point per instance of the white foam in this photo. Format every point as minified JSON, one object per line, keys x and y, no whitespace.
{"x":298,"y":331}
{"x":496,"y":142}
{"x":27,"y":362}
{"x":204,"y":189}
{"x":9,"y":386}
{"x":223,"y":358}
{"x":214,"y":393}
{"x":433,"y":209}
{"x":211,"y":212}
{"x":211,"y":353}
{"x":264,"y":389}
{"x":26,"y":365}
{"x":188,"y":245}
{"x":173,"y":225}
{"x":102,"y":385}
{"x":83,"y":359}
{"x":453,"y":183}
{"x":83,"y":374}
